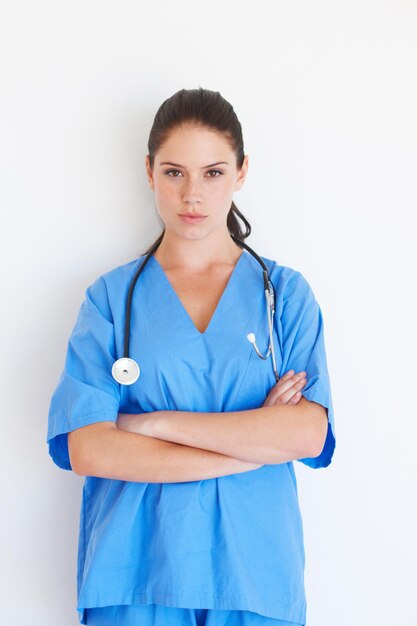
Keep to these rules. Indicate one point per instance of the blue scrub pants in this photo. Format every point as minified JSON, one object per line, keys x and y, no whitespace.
{"x":158,"y":615}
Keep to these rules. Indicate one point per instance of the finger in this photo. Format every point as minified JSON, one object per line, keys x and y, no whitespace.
{"x":286,"y":398}
{"x":282,"y":387}
{"x":291,"y":376}
{"x":296,"y":398}
{"x":287,"y":374}
{"x":284,"y":384}
{"x":285,"y":395}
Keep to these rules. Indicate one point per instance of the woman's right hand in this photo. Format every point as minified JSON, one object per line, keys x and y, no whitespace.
{"x":287,"y":390}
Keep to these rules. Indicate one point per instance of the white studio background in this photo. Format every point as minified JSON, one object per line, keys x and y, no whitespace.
{"x":326,"y":94}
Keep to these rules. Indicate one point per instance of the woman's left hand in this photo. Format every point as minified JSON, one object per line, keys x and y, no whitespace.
{"x":287,"y":390}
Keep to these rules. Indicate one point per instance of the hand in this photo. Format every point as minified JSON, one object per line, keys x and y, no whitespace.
{"x":139,"y":423}
{"x":287,"y":390}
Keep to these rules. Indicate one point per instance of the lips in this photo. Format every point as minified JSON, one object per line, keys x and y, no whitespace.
{"x":192,"y":215}
{"x":192,"y":218}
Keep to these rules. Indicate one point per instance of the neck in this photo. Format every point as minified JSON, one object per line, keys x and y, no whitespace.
{"x":197,"y":254}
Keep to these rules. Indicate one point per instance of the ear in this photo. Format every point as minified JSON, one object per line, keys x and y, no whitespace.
{"x":242,"y":173}
{"x":149,"y":172}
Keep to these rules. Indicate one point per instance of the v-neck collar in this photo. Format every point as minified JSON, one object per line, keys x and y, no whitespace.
{"x":220,"y":304}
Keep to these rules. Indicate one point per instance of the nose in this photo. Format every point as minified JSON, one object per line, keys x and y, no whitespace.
{"x":191,"y":191}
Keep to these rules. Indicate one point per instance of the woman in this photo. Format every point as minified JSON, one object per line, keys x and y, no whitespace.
{"x":190,"y":510}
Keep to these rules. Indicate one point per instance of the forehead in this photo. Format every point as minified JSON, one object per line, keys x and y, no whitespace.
{"x":194,"y":143}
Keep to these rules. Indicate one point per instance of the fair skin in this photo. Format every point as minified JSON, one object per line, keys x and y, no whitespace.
{"x":194,"y":255}
{"x":195,"y":249}
{"x":198,"y":258}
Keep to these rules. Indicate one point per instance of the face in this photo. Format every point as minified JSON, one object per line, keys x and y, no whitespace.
{"x":195,"y":172}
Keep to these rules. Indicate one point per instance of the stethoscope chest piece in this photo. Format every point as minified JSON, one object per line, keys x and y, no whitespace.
{"x":125,"y":371}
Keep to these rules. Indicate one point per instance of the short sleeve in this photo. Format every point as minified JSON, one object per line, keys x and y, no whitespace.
{"x":303,"y":349}
{"x":86,"y":391}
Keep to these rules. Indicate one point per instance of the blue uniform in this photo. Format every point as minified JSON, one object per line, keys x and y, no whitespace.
{"x":228,"y":543}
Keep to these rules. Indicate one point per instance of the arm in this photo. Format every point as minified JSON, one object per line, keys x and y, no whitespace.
{"x":101,"y":449}
{"x":270,"y":434}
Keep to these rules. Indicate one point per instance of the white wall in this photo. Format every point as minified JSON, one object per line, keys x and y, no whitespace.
{"x":326,"y":94}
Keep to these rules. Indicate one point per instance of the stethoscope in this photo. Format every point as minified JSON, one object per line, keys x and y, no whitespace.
{"x":126,"y":371}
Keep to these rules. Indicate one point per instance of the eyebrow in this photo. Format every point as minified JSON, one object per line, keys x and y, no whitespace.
{"x":204,"y":167}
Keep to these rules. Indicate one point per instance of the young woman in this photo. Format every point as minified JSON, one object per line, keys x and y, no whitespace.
{"x":194,"y":376}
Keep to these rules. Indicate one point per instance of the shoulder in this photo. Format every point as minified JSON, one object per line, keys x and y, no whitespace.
{"x":290,"y":284}
{"x":111,"y":286}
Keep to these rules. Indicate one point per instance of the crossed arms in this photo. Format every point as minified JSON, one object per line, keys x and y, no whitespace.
{"x":265,"y":435}
{"x":177,"y":446}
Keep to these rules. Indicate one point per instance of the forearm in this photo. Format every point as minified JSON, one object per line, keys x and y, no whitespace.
{"x":273,"y":434}
{"x":112,"y":453}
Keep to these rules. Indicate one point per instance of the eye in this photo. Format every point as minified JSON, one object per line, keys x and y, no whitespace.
{"x":216,"y":173}
{"x":219,"y":172}
{"x":168,"y":172}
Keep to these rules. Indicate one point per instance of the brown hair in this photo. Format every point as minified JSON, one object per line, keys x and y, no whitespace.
{"x":204,"y":108}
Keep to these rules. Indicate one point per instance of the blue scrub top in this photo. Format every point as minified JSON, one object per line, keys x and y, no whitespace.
{"x":233,"y":542}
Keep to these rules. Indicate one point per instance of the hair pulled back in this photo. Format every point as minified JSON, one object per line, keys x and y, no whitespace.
{"x":208,"y":109}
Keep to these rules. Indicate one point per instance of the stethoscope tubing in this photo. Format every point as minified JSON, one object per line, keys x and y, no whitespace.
{"x":126,"y":371}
